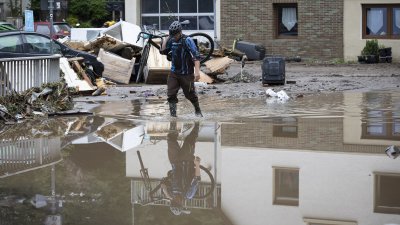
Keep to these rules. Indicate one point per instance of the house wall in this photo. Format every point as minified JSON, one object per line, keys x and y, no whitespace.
{"x":320,"y":27}
{"x":329,"y":188}
{"x":353,"y":42}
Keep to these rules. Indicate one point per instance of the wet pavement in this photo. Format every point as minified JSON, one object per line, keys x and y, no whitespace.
{"x":314,"y":160}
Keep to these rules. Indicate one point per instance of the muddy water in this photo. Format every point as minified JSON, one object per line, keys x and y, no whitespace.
{"x":311,"y":160}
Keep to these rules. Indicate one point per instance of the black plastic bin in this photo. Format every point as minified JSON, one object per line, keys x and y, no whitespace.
{"x":273,"y":70}
{"x":253,"y":51}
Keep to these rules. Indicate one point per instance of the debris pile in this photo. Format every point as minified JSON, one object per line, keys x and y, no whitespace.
{"x":245,"y":77}
{"x":38,"y":101}
{"x":118,"y":50}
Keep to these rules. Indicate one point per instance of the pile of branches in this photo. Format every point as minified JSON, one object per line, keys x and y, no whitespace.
{"x":47,"y":99}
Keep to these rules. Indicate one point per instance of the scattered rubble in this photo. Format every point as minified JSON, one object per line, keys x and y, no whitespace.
{"x":37,"y":101}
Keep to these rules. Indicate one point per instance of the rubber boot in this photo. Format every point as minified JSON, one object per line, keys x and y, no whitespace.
{"x":172,"y":109}
{"x":197,"y":110}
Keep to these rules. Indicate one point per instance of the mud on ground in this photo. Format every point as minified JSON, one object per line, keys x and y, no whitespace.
{"x":306,"y":79}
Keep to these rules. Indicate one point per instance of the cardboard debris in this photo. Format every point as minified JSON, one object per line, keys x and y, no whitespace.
{"x":108,"y":43}
{"x":217,"y":65}
{"x":72,"y":79}
{"x":205,"y":78}
{"x":157,"y":69}
{"x":116,"y":68}
{"x":77,"y":45}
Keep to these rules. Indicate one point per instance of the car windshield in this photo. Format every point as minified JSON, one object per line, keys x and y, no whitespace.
{"x":62,"y":28}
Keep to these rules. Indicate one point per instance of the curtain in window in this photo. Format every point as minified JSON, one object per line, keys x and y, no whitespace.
{"x":397,"y":18}
{"x":289,"y":18}
{"x":375,"y":20}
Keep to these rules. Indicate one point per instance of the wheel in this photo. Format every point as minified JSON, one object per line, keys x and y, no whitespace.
{"x":205,"y":45}
{"x":142,"y":63}
{"x":208,"y":185}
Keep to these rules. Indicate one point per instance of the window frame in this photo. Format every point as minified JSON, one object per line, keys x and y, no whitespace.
{"x":178,"y":15}
{"x":284,"y":201}
{"x":310,"y":221}
{"x":389,"y":17}
{"x":277,"y":7}
{"x":381,"y":208}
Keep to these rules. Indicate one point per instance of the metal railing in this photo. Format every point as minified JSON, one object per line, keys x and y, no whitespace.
{"x":23,"y":155}
{"x":139,"y":195}
{"x":20,"y":74}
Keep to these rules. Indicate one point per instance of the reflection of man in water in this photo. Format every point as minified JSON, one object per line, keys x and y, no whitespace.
{"x":185,"y":171}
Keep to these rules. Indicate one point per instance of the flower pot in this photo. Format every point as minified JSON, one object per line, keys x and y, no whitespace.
{"x":371,"y":59}
{"x":382,"y":52}
{"x":388,"y":51}
{"x":361,"y":58}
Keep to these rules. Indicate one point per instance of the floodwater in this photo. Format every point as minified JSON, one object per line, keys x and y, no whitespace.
{"x":315,"y":160}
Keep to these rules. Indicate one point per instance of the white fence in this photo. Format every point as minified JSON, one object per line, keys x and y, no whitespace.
{"x":20,"y":74}
{"x":23,"y":155}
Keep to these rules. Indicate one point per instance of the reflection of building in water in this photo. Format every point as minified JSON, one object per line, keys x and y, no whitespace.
{"x":309,"y":171}
{"x":380,"y":125}
{"x":23,"y":155}
{"x":155,"y":158}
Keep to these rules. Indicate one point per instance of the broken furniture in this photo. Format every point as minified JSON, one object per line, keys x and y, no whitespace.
{"x":116,"y":68}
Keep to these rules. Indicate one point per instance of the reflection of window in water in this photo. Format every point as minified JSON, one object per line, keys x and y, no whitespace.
{"x":376,"y":125}
{"x":381,"y":123}
{"x":310,"y":221}
{"x":286,"y":186}
{"x":386,"y":193}
{"x":285,"y":127}
{"x":396,"y":124}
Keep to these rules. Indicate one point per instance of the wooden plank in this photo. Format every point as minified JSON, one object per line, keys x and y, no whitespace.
{"x":217,"y":65}
{"x":72,"y":78}
{"x":116,"y":68}
{"x":158,"y":68}
{"x":82,"y":72}
{"x":205,"y":78}
{"x":79,"y":59}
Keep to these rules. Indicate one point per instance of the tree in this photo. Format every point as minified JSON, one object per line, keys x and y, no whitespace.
{"x":35,"y":7}
{"x":15,"y":7}
{"x":93,"y":11}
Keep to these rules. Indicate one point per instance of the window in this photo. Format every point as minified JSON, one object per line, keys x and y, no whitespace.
{"x":310,"y":221}
{"x":286,"y":20}
{"x":43,"y":29}
{"x":381,"y":21}
{"x":286,"y":186}
{"x":162,"y":13}
{"x":11,"y":44}
{"x":378,"y":123}
{"x":40,"y":45}
{"x":386,"y":193}
{"x":285,"y":127}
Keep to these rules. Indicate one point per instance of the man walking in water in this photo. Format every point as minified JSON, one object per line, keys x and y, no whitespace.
{"x":185,"y":69}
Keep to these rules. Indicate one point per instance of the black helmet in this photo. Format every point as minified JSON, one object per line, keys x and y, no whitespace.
{"x":175,"y":28}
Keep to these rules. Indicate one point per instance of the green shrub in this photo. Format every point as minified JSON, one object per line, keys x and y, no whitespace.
{"x":371,"y":47}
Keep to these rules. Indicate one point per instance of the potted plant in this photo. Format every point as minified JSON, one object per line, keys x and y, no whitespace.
{"x":385,"y":54}
{"x":370,"y":52}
